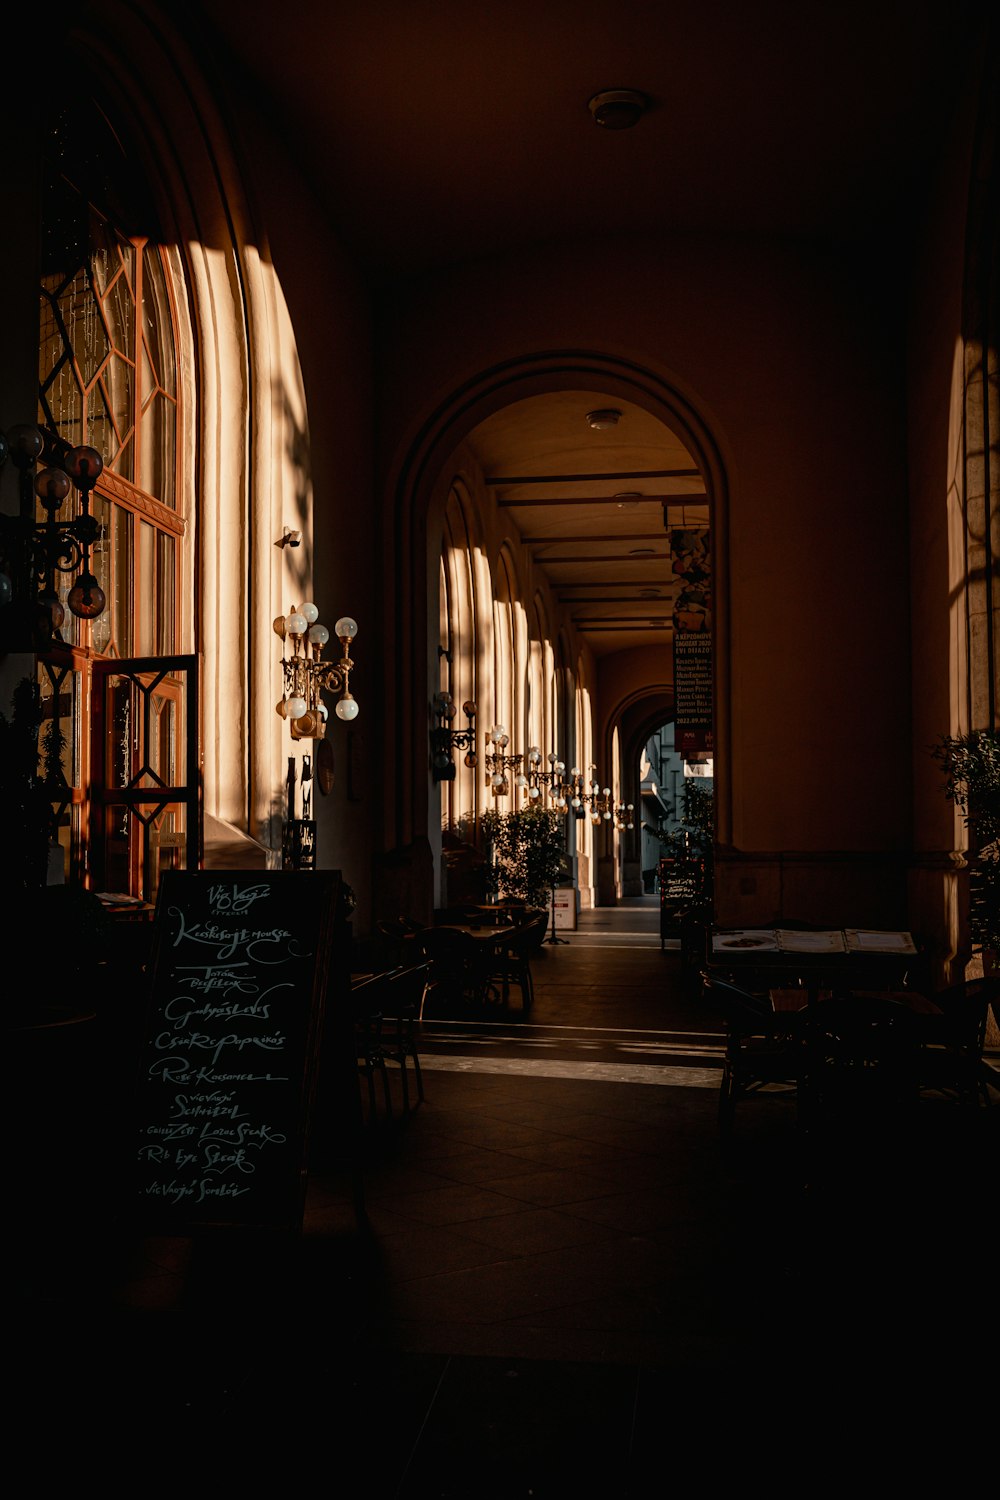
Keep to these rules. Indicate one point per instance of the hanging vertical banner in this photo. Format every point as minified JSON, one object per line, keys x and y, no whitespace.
{"x":691,"y":564}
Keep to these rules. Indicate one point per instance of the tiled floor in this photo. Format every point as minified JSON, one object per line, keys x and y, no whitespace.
{"x":564,"y":1287}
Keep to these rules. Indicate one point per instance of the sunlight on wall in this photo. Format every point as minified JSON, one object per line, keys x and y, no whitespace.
{"x":958,"y":661}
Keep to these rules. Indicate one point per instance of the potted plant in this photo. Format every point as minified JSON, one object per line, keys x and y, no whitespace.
{"x":971,"y":766}
{"x":527,"y":851}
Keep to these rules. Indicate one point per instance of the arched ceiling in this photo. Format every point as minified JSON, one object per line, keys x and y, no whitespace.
{"x":592,"y":507}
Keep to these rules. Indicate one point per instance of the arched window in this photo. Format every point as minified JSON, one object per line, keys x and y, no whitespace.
{"x":108,"y":376}
{"x":108,"y":380}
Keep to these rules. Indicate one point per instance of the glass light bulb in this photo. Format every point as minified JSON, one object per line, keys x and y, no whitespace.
{"x":84,"y":466}
{"x":496,"y":780}
{"x":295,"y":708}
{"x":318,"y":635}
{"x":310,"y":611}
{"x":607,"y":791}
{"x":86,"y":598}
{"x":295,"y":624}
{"x":469,"y":708}
{"x":606,"y":816}
{"x":52,"y":486}
{"x":533,"y":792}
{"x":534,"y":753}
{"x":345,"y":626}
{"x":323,"y":711}
{"x":498,"y":730}
{"x":575,"y":771}
{"x":575,"y":802}
{"x":347,"y":708}
{"x":520,"y":780}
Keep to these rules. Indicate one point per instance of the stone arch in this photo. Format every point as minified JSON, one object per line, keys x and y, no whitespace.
{"x":411,"y":488}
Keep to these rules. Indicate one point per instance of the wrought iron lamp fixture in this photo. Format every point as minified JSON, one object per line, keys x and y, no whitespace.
{"x":33,"y":551}
{"x":500,"y":765}
{"x":624,"y":815}
{"x":307,"y":675}
{"x":444,"y":739}
{"x":549,"y":782}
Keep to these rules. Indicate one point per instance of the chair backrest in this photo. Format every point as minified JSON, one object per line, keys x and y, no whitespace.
{"x":965,"y":1008}
{"x":732,"y":1001}
{"x":862,"y":1031}
{"x":404,"y":989}
{"x":533,"y":932}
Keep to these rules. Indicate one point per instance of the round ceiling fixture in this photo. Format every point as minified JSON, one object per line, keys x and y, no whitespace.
{"x":618,"y":109}
{"x":641,"y":552}
{"x":599,"y":421}
{"x":627,"y":499}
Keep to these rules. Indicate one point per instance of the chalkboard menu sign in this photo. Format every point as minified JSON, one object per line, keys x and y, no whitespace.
{"x":227,"y":1074}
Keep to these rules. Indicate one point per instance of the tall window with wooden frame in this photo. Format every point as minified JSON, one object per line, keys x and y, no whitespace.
{"x":115,"y":689}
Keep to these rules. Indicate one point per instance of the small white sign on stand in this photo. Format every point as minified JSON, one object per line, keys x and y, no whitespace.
{"x":564,"y":907}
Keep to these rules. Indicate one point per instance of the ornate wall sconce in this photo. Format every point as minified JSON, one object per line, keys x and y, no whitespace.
{"x":34,"y":551}
{"x":550,"y":782}
{"x":445,"y":740}
{"x":500,"y":765}
{"x":307,"y":675}
{"x":624,"y":815}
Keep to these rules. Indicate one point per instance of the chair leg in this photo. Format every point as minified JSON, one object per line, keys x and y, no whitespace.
{"x":727,"y":1102}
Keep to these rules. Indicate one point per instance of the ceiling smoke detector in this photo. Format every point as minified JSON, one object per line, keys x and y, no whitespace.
{"x":618,"y":109}
{"x":599,"y":421}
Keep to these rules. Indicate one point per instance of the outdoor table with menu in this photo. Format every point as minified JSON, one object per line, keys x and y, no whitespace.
{"x":813,"y":958}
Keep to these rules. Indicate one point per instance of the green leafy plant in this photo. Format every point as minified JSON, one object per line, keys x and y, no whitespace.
{"x":692,"y":842}
{"x":527,"y":850}
{"x":971,"y":766}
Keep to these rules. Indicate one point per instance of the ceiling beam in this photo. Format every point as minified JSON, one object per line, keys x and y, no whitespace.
{"x":586,"y":478}
{"x":631,"y":536}
{"x":630,"y":503}
{"x":611,"y":557}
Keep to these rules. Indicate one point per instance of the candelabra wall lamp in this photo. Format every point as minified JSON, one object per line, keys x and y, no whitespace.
{"x":500,"y":766}
{"x":550,"y":782}
{"x":32,"y":552}
{"x":624,"y":815}
{"x":445,"y":740}
{"x":307,"y":675}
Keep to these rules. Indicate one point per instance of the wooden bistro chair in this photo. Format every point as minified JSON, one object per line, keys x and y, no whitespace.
{"x":460,"y":964}
{"x":386,"y":1017}
{"x":860,"y":1088}
{"x":762,"y":1052}
{"x":512,"y":960}
{"x":950,"y":1064}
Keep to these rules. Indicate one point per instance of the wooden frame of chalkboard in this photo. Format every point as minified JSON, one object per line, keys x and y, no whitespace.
{"x":227,"y":1074}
